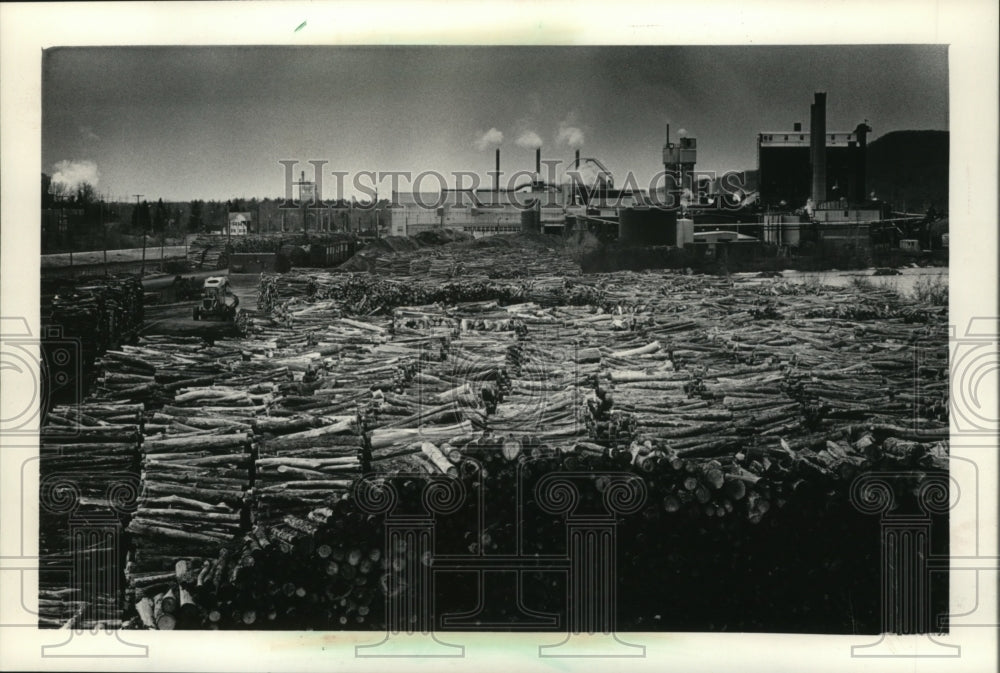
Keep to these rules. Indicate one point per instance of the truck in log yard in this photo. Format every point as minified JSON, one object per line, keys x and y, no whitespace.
{"x":217,"y":300}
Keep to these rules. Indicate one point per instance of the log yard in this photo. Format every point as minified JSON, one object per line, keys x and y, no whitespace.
{"x":722,"y":424}
{"x":562,"y":398}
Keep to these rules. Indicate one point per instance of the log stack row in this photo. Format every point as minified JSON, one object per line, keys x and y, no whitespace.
{"x":331,"y":569}
{"x":157,"y":367}
{"x":361,"y":294}
{"x":89,"y":464}
{"x":324,"y":569}
{"x":493,"y":257}
{"x":728,"y":399}
{"x":195,"y":492}
{"x":298,"y":471}
{"x":81,"y":319}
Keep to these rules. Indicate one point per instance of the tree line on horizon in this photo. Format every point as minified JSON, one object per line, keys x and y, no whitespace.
{"x":80,"y":218}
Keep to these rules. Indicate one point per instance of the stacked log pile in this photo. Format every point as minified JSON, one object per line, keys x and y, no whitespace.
{"x":362,"y":294}
{"x":493,"y":257}
{"x":648,"y":371}
{"x":197,"y":458}
{"x":329,"y":568}
{"x":325,"y":569}
{"x":298,"y":471}
{"x":152,"y":371}
{"x":204,"y":251}
{"x":88,"y":470}
{"x":546,"y":392}
{"x":81,"y":319}
{"x":752,"y":481}
{"x":433,"y":404}
{"x":103,"y":311}
{"x":194,"y":494}
{"x":730,"y":400}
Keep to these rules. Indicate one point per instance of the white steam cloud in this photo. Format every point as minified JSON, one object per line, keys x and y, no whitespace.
{"x":69,"y":175}
{"x":529,"y":139}
{"x":491,"y":137}
{"x":569,"y":135}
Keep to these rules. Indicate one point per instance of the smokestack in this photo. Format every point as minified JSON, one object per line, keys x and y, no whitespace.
{"x":496,"y":176}
{"x":538,"y":162}
{"x":573,"y":185}
{"x":817,"y":147}
{"x":861,"y":132}
{"x":668,"y":134}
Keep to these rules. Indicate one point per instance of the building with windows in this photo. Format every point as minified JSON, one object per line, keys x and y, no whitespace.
{"x":795,"y":166}
{"x":239,"y":224}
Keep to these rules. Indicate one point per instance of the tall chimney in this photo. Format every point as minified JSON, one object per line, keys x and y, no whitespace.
{"x":860,"y":167}
{"x":575,"y":185}
{"x":496,"y":176}
{"x":538,"y":162}
{"x":817,"y":147}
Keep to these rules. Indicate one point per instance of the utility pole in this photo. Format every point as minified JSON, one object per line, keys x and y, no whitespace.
{"x":142,"y":270}
{"x":163,"y":231}
{"x":69,"y":230}
{"x":104,"y":235}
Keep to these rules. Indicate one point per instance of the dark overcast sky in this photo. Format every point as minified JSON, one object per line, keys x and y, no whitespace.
{"x":182,"y":123}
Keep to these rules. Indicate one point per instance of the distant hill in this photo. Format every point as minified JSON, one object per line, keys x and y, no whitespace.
{"x":909,"y":169}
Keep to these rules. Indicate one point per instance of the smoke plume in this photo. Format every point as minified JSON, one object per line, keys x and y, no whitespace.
{"x":491,"y":137}
{"x":69,"y":175}
{"x":569,"y":135}
{"x":529,"y":139}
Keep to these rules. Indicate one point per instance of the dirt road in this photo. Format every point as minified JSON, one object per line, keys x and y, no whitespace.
{"x":178,"y":319}
{"x":114,"y":256}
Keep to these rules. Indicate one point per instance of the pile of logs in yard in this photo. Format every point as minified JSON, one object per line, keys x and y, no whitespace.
{"x":491,"y":257}
{"x":728,"y":399}
{"x":89,"y":457}
{"x":368,"y":294}
{"x":318,"y":570}
{"x":81,"y":318}
{"x":205,"y":251}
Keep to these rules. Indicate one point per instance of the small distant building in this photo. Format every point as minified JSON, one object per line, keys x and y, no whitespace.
{"x":479,"y":212}
{"x":843,"y":224}
{"x":840,"y":212}
{"x":239,"y":224}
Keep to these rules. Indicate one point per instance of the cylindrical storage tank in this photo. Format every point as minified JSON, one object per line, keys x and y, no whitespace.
{"x":647,"y":226}
{"x":685,"y":232}
{"x":772,"y":233}
{"x":817,"y":147}
{"x":791,"y":230}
